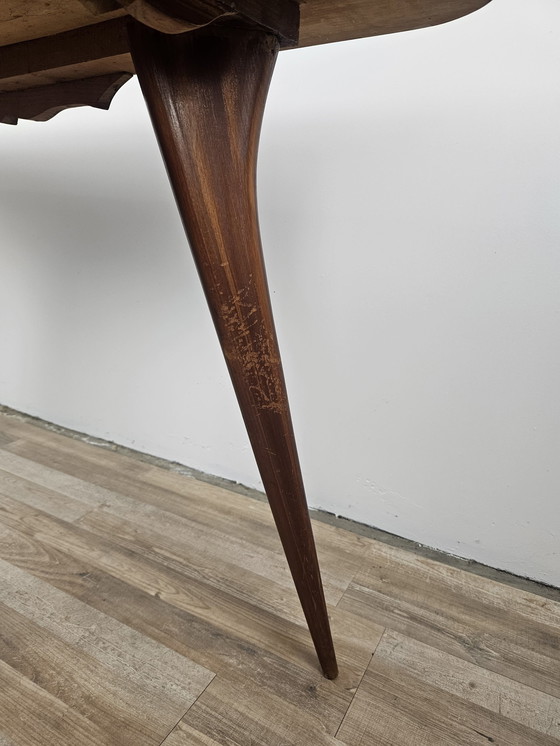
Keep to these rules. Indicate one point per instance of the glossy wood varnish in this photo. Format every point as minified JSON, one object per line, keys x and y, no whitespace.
{"x":206,"y":92}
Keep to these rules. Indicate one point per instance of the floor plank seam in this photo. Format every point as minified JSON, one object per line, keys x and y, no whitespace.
{"x":479,"y":663}
{"x":186,"y":711}
{"x":77,"y":521}
{"x":359,"y":685}
{"x":351,"y":580}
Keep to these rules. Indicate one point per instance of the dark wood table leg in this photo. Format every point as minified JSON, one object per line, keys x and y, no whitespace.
{"x":206,"y":92}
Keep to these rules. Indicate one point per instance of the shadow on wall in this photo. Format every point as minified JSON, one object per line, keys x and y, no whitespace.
{"x":87,"y":269}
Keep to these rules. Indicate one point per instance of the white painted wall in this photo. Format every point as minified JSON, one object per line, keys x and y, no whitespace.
{"x":409,"y":190}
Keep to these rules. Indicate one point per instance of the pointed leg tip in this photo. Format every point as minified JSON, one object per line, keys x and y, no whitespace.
{"x":330,"y":670}
{"x":332,"y":675}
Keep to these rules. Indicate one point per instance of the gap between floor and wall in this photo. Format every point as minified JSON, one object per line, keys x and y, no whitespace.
{"x":469,"y":565}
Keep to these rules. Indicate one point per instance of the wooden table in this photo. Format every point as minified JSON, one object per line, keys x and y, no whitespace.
{"x":204,"y":67}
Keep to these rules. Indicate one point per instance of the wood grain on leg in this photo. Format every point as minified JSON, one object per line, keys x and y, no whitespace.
{"x":206,"y":93}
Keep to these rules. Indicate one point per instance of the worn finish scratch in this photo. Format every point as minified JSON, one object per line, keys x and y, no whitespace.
{"x":250,"y":344}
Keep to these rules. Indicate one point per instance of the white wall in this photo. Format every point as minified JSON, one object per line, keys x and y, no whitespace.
{"x":409,"y":191}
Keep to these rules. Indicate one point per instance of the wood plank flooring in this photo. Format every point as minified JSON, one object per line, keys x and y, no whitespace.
{"x":142,"y":607}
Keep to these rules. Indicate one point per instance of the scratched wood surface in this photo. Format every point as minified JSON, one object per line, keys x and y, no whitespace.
{"x":142,"y":606}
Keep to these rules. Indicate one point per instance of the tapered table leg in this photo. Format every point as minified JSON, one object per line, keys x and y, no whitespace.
{"x":206,"y":92}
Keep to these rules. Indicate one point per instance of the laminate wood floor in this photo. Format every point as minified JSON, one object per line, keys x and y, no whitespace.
{"x":142,"y":607}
